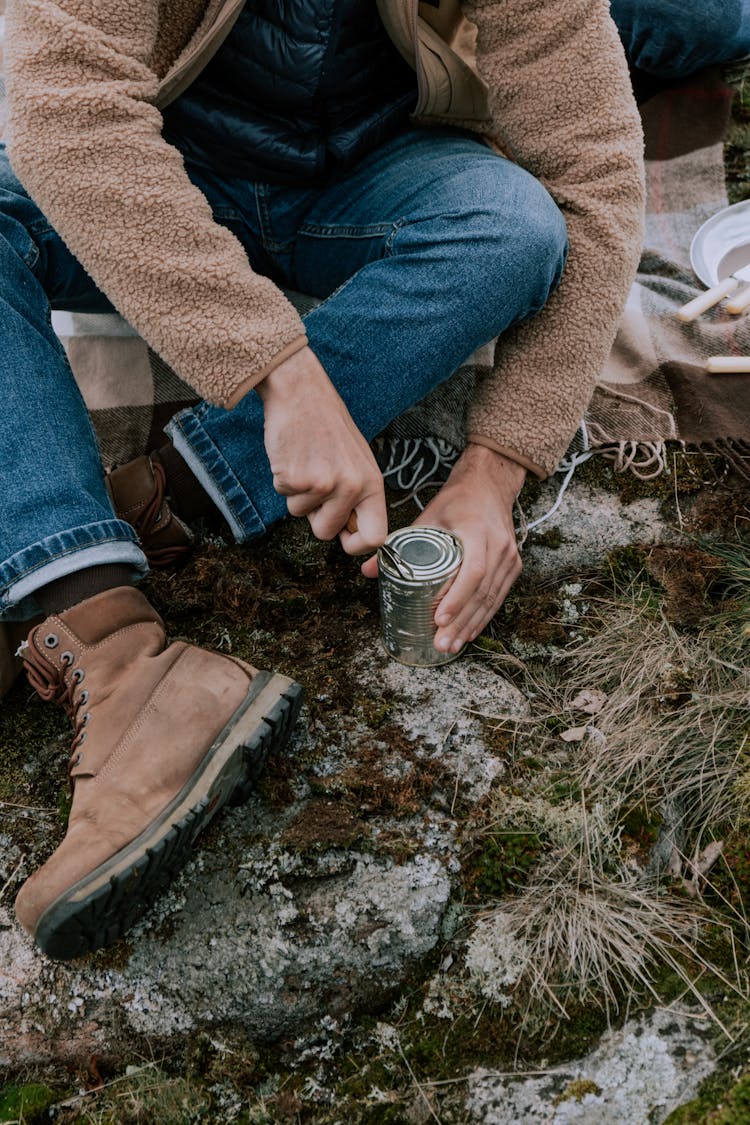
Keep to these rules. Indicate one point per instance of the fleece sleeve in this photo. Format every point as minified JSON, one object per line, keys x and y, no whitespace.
{"x":85,"y":140}
{"x":562,"y":106}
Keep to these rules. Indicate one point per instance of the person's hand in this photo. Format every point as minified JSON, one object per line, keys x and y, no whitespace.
{"x":319,"y":459}
{"x":476,"y":504}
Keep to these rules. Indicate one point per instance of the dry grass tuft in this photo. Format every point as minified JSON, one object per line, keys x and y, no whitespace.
{"x":645,"y":722}
{"x":596,"y":936}
{"x":675,"y":723}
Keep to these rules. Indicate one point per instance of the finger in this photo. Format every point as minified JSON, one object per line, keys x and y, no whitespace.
{"x":474,"y":592}
{"x":372,"y":524}
{"x":482,"y":572}
{"x":485,"y":612}
{"x":329,"y":519}
{"x":370,"y":568}
{"x":463,"y":590}
{"x":285,"y":487}
{"x":303,"y":503}
{"x":479,"y":611}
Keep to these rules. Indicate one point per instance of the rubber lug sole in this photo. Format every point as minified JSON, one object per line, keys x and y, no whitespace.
{"x":99,"y":909}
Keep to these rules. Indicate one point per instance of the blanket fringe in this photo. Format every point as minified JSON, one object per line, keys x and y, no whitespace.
{"x":412,"y":464}
{"x":644,"y":459}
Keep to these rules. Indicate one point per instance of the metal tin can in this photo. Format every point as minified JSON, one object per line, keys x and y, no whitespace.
{"x":415,"y":565}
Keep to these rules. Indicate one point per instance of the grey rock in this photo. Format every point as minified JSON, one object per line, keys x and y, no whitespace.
{"x":636,"y":1076}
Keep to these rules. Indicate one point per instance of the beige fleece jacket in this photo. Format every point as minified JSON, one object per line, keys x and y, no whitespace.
{"x":86,"y":78}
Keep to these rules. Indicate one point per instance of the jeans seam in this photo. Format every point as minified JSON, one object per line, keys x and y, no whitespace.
{"x":371,"y":230}
{"x":398,"y":226}
{"x":181,"y":422}
{"x":269,"y":243}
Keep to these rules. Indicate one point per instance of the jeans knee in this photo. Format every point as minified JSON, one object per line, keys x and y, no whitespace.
{"x":671,"y":39}
{"x":546,"y":245}
{"x":525,"y":258}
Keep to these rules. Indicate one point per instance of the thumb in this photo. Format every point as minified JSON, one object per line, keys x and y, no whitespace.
{"x":370,"y":568}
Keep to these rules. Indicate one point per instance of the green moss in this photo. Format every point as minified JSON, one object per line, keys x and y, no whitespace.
{"x":552,"y":538}
{"x":490,"y":644}
{"x":531,"y":615}
{"x":504,"y":864}
{"x":625,"y":564}
{"x":530,"y":492}
{"x":716,"y":1105}
{"x":737,"y":147}
{"x":27,"y":1104}
{"x":577,"y":1091}
{"x":382,"y":1114}
{"x":64,"y":803}
{"x":374,"y":711}
{"x":563,"y":790}
{"x":640,"y":831}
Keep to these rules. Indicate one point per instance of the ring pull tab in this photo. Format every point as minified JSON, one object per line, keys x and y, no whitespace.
{"x":399,"y":565}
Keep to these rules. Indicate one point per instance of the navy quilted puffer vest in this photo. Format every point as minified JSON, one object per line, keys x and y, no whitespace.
{"x":299,"y":89}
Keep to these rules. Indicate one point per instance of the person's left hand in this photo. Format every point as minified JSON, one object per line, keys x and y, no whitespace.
{"x":476,"y":504}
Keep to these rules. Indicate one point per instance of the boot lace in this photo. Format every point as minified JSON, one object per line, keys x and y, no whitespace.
{"x":51,"y":685}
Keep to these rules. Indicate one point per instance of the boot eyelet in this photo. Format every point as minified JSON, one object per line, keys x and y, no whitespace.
{"x":81,"y":740}
{"x":86,"y":719}
{"x":51,"y":640}
{"x":78,"y":675}
{"x":84,"y":697}
{"x":67,"y":658}
{"x":78,"y":759}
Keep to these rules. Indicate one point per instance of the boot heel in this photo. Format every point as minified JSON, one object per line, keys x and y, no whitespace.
{"x":270,"y":736}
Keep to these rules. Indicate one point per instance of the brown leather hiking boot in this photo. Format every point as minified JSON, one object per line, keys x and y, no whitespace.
{"x":137,"y":491}
{"x":164,"y":736}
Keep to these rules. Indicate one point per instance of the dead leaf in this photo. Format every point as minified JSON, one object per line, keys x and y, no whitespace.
{"x":589,"y":700}
{"x":674,"y":867}
{"x":574,"y":734}
{"x":699,"y":867}
{"x":703,"y":863}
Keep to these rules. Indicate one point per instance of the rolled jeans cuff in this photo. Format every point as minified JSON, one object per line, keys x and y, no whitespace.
{"x":214,"y":474}
{"x":94,"y":544}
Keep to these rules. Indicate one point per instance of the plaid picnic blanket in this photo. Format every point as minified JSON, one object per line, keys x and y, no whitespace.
{"x":653,"y":388}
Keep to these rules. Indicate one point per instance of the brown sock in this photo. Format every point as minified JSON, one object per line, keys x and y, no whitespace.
{"x":68,"y":591}
{"x":187,"y":497}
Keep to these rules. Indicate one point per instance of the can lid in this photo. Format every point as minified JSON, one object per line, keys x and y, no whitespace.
{"x":419,"y":554}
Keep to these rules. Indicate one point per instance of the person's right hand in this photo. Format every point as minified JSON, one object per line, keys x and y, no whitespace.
{"x":319,"y":459}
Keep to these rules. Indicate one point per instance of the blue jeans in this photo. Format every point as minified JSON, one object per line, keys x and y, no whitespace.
{"x":428,"y":248}
{"x":672,"y":39}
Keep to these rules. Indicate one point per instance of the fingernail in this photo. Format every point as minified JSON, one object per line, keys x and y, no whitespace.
{"x":457,"y":645}
{"x":442,"y":618}
{"x":442,"y":644}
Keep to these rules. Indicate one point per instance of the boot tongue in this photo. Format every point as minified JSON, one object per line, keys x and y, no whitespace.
{"x":95,"y":619}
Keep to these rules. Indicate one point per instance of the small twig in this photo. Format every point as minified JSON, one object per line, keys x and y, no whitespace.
{"x":27,"y":808}
{"x":455,"y":795}
{"x":417,"y":1083}
{"x":676,"y":493}
{"x":517,"y":1074}
{"x":10,"y":878}
{"x":70,"y":1102}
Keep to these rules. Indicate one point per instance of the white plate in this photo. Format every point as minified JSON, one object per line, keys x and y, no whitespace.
{"x":722,"y":244}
